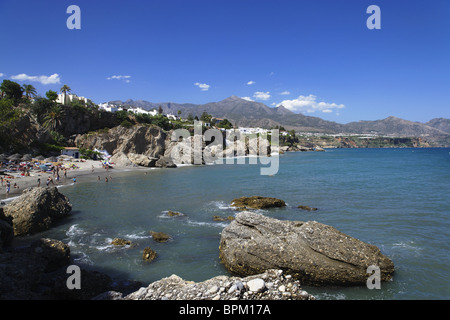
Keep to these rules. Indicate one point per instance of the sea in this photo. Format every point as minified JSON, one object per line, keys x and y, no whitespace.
{"x":396,"y":199}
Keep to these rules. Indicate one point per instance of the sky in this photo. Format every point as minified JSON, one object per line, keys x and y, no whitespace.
{"x":316,"y":57}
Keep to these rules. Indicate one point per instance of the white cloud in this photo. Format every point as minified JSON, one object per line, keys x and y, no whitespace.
{"x":1,"y":74}
{"x":309,"y":104}
{"x":247,"y":98}
{"x":54,"y":78}
{"x":251,"y":82}
{"x":285,"y":93}
{"x":119,"y":78}
{"x":261,"y":95}
{"x":202,"y":86}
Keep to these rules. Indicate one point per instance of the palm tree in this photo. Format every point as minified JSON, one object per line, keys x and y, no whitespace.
{"x":29,"y":90}
{"x":65,"y":88}
{"x":53,"y":118}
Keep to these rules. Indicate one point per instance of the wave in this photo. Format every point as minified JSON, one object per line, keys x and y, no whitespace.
{"x":221,"y":205}
{"x":208,"y":224}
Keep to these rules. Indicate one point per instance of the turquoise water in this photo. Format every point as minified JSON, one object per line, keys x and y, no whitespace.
{"x":396,"y":199}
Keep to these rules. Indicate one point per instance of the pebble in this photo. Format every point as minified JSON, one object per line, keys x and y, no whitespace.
{"x":256,"y":285}
{"x":213,"y":289}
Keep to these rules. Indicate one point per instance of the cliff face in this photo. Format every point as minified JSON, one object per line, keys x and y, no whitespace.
{"x":145,"y":140}
{"x":82,"y":120}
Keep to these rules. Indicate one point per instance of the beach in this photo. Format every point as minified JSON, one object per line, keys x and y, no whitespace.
{"x":81,"y":170}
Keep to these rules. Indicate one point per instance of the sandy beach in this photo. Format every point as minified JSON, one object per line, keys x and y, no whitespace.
{"x":83,"y":171}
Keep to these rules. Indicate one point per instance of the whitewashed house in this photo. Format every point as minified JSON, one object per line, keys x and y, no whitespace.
{"x":68,"y":98}
{"x":71,"y":152}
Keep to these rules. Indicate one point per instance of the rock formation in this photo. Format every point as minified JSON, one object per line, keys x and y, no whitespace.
{"x":257,"y":202}
{"x":37,"y":209}
{"x":270,"y":285}
{"x":312,"y":252}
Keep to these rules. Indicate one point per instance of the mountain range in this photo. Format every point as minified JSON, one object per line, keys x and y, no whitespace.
{"x":245,"y":113}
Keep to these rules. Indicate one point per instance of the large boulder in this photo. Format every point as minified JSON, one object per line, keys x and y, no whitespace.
{"x":312,"y":252}
{"x":37,"y":209}
{"x":142,"y":160}
{"x":6,"y":230}
{"x":257,"y":202}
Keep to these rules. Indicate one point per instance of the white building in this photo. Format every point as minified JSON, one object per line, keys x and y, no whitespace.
{"x":71,"y":152}
{"x":108,"y":107}
{"x":68,"y":98}
{"x":253,"y":130}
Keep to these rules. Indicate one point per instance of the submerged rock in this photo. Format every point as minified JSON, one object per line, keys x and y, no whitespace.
{"x":307,"y":208}
{"x":149,"y":254}
{"x":219,"y":218}
{"x":175,"y":214}
{"x":160,"y":236}
{"x":312,"y":252}
{"x":257,"y":202}
{"x":37,"y":209}
{"x":121,"y":242}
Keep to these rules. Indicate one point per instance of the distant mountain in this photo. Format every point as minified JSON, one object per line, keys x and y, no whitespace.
{"x":440,"y":124}
{"x":246,"y":113}
{"x":393,"y":126}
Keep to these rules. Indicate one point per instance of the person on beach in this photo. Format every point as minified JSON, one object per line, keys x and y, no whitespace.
{"x":92,"y":168}
{"x":106,"y":179}
{"x":8,"y":186}
{"x":98,"y":178}
{"x":74,"y":179}
{"x":39,"y":182}
{"x":16,"y":186}
{"x":49,"y":180}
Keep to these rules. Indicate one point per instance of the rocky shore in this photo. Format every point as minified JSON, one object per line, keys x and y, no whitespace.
{"x":268,"y":259}
{"x":270,"y":285}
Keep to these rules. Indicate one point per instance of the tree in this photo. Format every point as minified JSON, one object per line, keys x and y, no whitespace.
{"x":53,"y":118}
{"x":51,"y":95}
{"x":160,"y":110}
{"x":205,"y":117}
{"x":65,"y":88}
{"x":190,"y":117}
{"x":11,"y":90}
{"x":29,"y":90}
{"x":292,"y":133}
{"x":179,"y":113}
{"x":226,"y":124}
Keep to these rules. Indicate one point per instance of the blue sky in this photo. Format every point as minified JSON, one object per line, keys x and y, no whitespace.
{"x":316,"y":57}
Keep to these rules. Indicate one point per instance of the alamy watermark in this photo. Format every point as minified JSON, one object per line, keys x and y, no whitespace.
{"x":74,"y":280}
{"x":74,"y":20}
{"x":374,"y":280}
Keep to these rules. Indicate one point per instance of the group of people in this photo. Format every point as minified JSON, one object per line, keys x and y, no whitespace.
{"x":106,"y":178}
{"x":53,"y":179}
{"x":8,"y":185}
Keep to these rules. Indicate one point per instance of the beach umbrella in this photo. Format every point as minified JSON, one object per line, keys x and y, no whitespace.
{"x":15,"y":157}
{"x":26,"y":157}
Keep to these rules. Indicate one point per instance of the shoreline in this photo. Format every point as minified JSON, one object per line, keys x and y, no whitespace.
{"x":83,"y":173}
